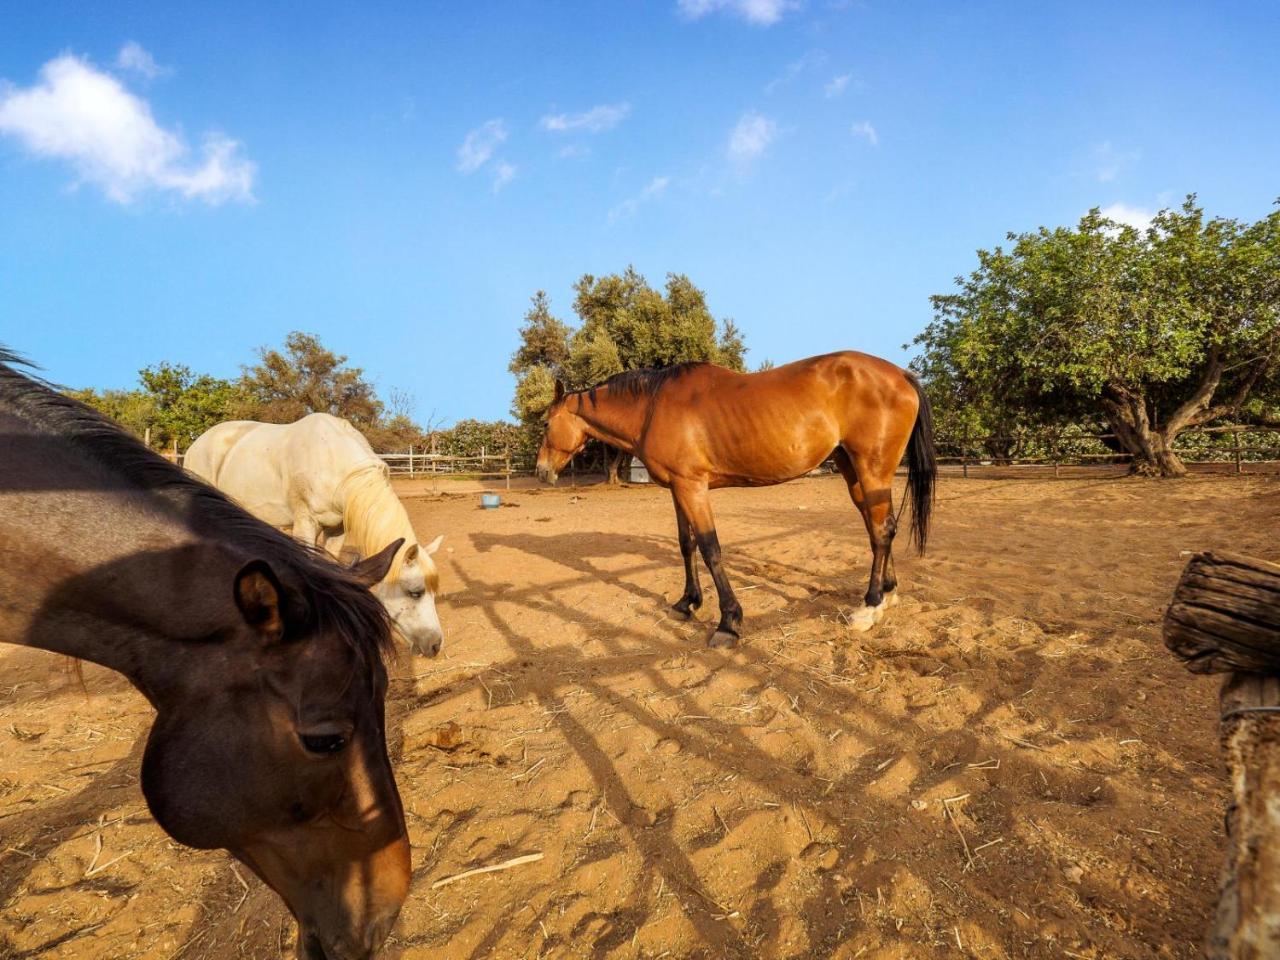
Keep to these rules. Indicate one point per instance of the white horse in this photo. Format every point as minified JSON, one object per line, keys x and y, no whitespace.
{"x":320,"y":479}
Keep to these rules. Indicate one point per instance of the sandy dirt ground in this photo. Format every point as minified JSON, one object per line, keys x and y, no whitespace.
{"x":1009,"y":766}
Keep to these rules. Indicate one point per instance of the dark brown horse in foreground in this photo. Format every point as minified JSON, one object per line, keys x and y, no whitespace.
{"x":698,"y":426}
{"x":262,"y":659}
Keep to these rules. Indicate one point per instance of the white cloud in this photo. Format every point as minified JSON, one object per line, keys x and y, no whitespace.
{"x":87,"y":118}
{"x":836,"y":85}
{"x":811,"y":60}
{"x":863,"y":128}
{"x":1135,"y":217}
{"x":596,"y":120}
{"x":503,"y":174}
{"x":574,"y":151}
{"x":750,"y":138}
{"x":1109,"y":162}
{"x":652,"y":191}
{"x":479,"y":144}
{"x":133,"y":57}
{"x":762,"y":12}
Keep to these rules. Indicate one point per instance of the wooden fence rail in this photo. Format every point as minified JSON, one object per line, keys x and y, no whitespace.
{"x":1063,"y":448}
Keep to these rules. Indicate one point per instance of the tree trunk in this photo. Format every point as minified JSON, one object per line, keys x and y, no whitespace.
{"x":612,"y":460}
{"x":1151,"y":450}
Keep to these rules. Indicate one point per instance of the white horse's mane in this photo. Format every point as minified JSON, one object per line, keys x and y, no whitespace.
{"x":373,"y":517}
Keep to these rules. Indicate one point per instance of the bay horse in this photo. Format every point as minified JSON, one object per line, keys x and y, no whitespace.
{"x":319,"y":479}
{"x":262,"y":659}
{"x":698,"y":427}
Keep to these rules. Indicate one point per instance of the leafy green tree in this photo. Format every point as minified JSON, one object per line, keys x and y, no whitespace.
{"x":544,"y":339}
{"x":172,"y":403}
{"x":187,"y":404}
{"x":471,"y":438}
{"x":132,"y":409}
{"x":1150,"y":332}
{"x":624,"y":324}
{"x":304,"y":378}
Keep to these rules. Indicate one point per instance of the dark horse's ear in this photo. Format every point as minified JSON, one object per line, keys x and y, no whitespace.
{"x":373,"y":569}
{"x":258,"y":595}
{"x":559,"y":391}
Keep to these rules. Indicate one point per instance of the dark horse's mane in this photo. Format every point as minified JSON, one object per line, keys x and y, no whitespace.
{"x":639,"y":384}
{"x":336,"y":600}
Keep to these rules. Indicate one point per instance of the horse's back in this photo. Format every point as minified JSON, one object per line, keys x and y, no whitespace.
{"x":330,"y":445}
{"x":280,"y":468}
{"x":773,"y":425}
{"x":206,"y":455}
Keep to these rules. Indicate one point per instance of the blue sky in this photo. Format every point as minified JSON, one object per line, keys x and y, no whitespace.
{"x":189,"y":182}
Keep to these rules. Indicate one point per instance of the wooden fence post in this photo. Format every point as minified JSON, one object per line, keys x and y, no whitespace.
{"x":1225,"y":618}
{"x":964,"y":452}
{"x":1235,"y":437}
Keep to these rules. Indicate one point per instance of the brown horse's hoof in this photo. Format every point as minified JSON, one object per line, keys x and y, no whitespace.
{"x":684,"y":612}
{"x":722,"y":638}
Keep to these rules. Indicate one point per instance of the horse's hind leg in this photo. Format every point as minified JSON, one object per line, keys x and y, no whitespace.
{"x":693,"y":501}
{"x":872,"y":494}
{"x":692,"y":598}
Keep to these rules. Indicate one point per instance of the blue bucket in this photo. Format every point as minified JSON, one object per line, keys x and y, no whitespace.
{"x":490,"y":501}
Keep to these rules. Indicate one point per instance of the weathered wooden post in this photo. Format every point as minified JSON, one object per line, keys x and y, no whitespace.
{"x":1235,"y":446}
{"x":1225,"y":618}
{"x":964,"y":452}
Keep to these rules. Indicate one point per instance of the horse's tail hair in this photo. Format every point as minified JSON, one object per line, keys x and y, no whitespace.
{"x":922,"y":467}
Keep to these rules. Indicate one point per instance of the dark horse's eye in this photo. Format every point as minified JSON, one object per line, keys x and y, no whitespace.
{"x":323,"y":743}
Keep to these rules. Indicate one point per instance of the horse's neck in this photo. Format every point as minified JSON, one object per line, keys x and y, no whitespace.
{"x":373,"y":515}
{"x":133,"y":607}
{"x":618,"y":421}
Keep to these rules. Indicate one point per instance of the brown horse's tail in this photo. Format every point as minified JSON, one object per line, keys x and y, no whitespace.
{"x":922,"y":467}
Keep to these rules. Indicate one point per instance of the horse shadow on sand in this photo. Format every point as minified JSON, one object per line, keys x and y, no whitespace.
{"x":860,"y":813}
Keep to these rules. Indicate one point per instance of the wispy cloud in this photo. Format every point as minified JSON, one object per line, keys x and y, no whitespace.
{"x":596,"y":120}
{"x":761,"y":12}
{"x":750,"y":138}
{"x":864,"y":129}
{"x":133,"y":57}
{"x":85,"y":117}
{"x":652,"y":191}
{"x":836,"y":85}
{"x":1110,"y":161}
{"x":503,"y":173}
{"x":810,"y":61}
{"x":574,"y":151}
{"x":478,"y":145}
{"x":1129,"y":216}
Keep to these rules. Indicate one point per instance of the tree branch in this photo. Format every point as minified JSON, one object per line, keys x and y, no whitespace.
{"x":1198,"y":402}
{"x":1237,"y":399}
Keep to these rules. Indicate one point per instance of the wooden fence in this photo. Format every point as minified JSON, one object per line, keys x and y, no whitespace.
{"x":1233,"y":445}
{"x":1236,"y":446}
{"x":486,"y":466}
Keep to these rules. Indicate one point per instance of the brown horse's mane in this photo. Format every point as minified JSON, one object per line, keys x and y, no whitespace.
{"x":336,"y":601}
{"x":640,"y":384}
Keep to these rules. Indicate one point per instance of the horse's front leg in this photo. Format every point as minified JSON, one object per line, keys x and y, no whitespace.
{"x":696,"y":505}
{"x":307,"y":528}
{"x":692,"y":598}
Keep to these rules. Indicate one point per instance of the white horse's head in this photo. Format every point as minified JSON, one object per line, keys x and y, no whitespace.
{"x":409,"y":594}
